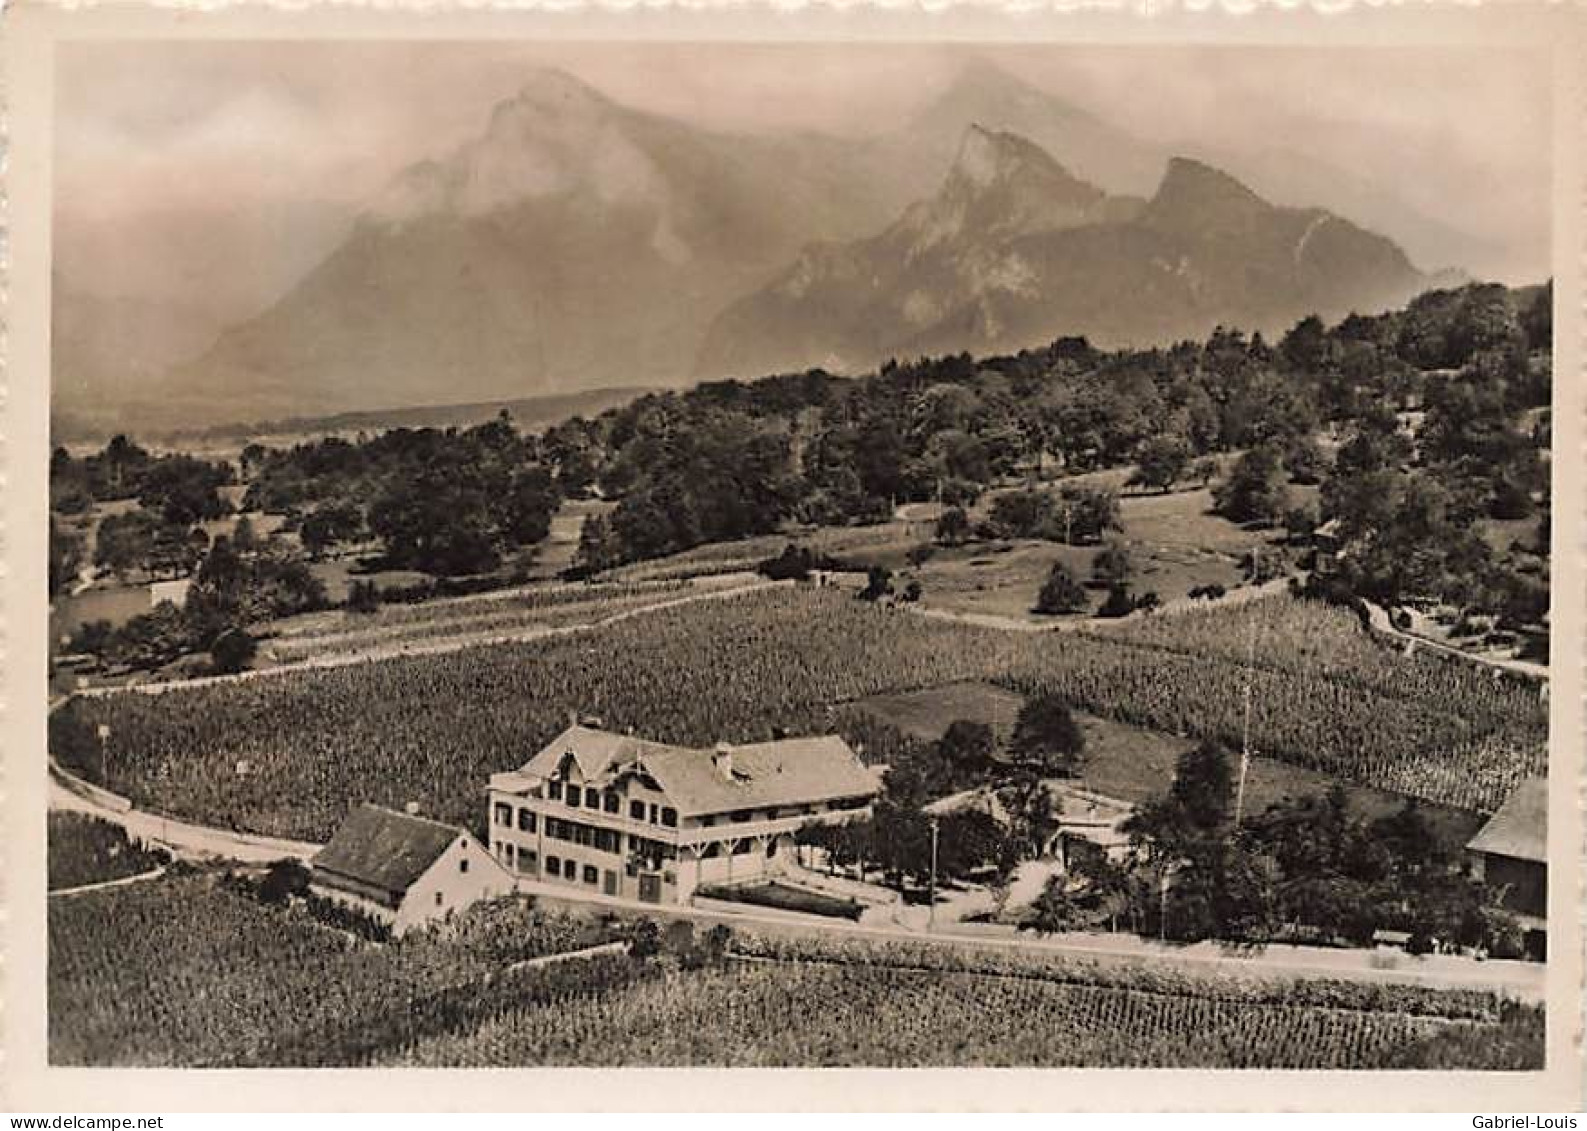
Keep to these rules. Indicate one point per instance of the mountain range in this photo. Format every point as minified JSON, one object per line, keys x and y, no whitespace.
{"x":578,"y":243}
{"x":1014,"y":250}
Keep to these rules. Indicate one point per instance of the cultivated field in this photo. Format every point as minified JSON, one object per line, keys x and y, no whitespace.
{"x":85,"y":850}
{"x":431,"y":728}
{"x":187,"y":972}
{"x":1131,"y":763}
{"x":389,"y":627}
{"x":826,"y":1003}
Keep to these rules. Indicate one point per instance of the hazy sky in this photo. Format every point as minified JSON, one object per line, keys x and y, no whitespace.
{"x":235,"y":130}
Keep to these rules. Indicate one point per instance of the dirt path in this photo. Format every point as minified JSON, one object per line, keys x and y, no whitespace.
{"x":180,"y":838}
{"x":1384,"y":626}
{"x":1233,"y":598}
{"x":103,"y":885}
{"x":567,"y":956}
{"x":443,"y":646}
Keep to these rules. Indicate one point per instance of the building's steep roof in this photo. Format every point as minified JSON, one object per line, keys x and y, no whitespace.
{"x":385,"y":849}
{"x":595,"y":752}
{"x":788,"y":771}
{"x":1520,"y":828}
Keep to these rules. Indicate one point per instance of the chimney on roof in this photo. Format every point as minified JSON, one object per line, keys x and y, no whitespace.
{"x":722,"y":760}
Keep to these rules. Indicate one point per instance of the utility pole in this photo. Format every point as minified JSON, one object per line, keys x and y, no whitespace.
{"x":103,"y":730}
{"x":931,"y":912}
{"x":1162,"y":911}
{"x":1245,"y":733}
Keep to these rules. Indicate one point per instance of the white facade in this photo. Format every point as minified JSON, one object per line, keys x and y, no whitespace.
{"x":618,"y":832}
{"x":463,"y":874}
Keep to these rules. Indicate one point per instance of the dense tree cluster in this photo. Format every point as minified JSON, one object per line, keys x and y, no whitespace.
{"x":730,"y":458}
{"x":1409,"y":501}
{"x":447,"y":501}
{"x":1303,"y":869}
{"x":231,"y":592}
{"x":182,"y":489}
{"x":158,"y":537}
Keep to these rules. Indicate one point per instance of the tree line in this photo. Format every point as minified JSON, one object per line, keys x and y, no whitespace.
{"x":1306,"y":869}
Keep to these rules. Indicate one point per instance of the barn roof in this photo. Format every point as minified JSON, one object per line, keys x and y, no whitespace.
{"x":385,"y":849}
{"x":787,"y":771}
{"x":1520,"y":828}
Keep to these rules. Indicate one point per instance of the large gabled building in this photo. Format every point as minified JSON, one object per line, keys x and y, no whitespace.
{"x":622,"y":816}
{"x":403,"y":869}
{"x":1510,"y":852}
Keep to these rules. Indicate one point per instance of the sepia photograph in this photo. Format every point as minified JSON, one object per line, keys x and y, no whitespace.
{"x":866,"y":553}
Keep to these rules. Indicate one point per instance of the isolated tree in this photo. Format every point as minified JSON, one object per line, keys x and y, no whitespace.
{"x":1205,"y":470}
{"x":1021,"y":514}
{"x":215,"y":599}
{"x":644,"y":938}
{"x":1119,"y":603}
{"x":967,"y":745}
{"x":1204,"y":785}
{"x":972,"y":839}
{"x":232,"y":651}
{"x":1112,"y":566}
{"x":1255,"y":490}
{"x":1160,"y":461}
{"x":793,"y":564}
{"x":1046,"y":734}
{"x":953,"y":527}
{"x":878,"y":584}
{"x":1061,"y":592}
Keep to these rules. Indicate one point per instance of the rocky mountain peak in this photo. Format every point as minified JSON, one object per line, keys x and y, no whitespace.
{"x":556,"y":136}
{"x":1000,"y":185}
{"x":986,"y":156}
{"x":1194,"y":193}
{"x":548,"y":95}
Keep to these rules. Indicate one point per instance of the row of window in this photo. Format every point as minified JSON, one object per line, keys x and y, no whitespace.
{"x":590,"y":836}
{"x":643,"y":811}
{"x":608,"y":801}
{"x":525,"y":861}
{"x":576,"y":797}
{"x":605,"y":840}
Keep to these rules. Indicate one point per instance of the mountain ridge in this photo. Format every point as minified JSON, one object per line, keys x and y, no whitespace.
{"x":576,"y":242}
{"x":1202,"y":250}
